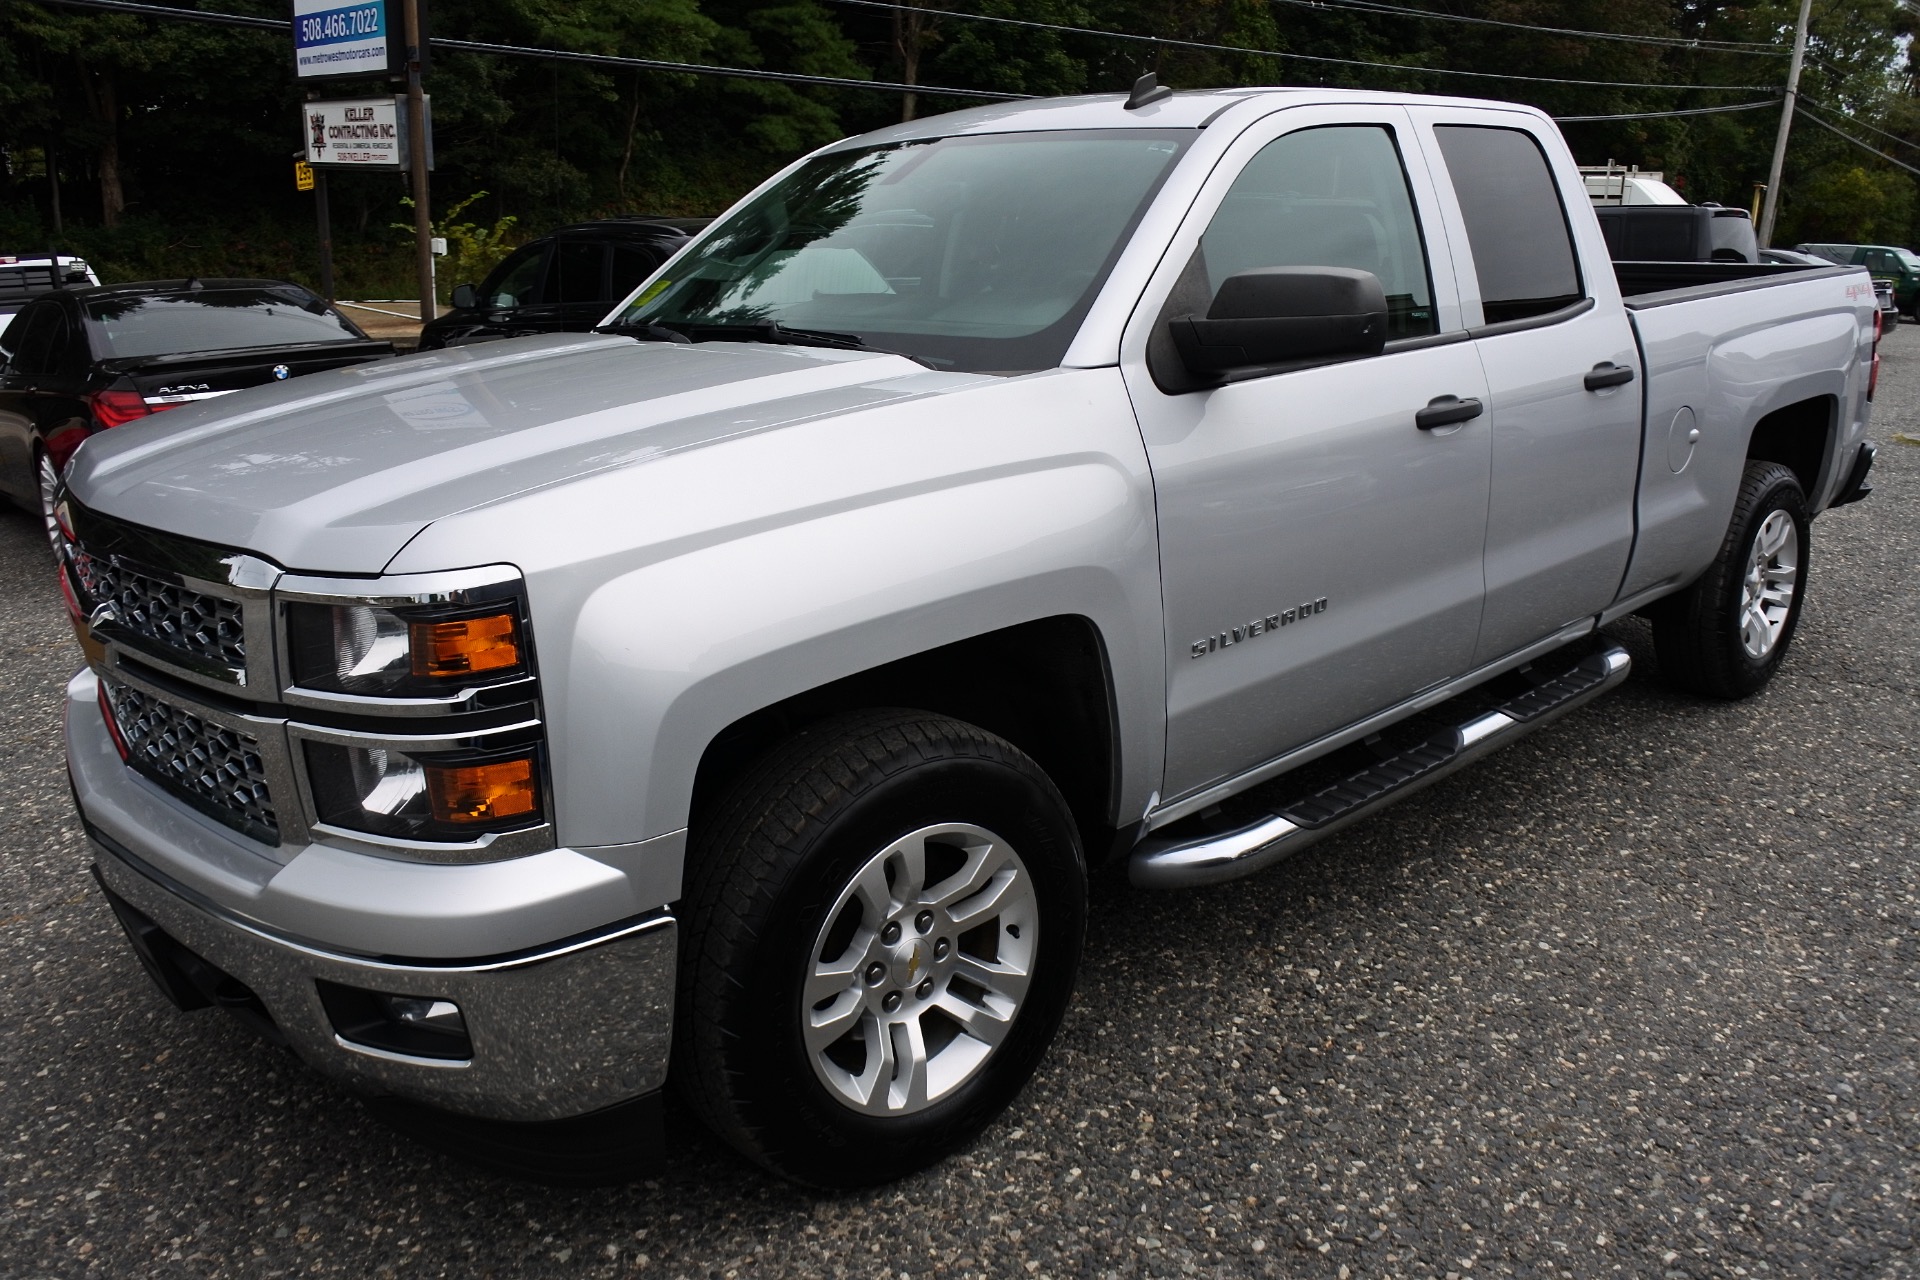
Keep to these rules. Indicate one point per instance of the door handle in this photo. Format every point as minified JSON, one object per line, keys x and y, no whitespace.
{"x":1608,"y":374}
{"x":1445,"y":411}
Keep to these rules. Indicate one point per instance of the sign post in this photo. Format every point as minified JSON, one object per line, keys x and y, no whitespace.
{"x":417,"y":130}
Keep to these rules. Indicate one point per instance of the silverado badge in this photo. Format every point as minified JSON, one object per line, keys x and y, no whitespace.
{"x":1258,"y":627}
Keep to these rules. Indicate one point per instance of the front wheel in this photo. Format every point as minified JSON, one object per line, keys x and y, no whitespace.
{"x":1727,"y":634}
{"x":882,"y":926}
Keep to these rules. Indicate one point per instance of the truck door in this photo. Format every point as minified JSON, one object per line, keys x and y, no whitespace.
{"x":1320,"y":552}
{"x":1562,"y":374}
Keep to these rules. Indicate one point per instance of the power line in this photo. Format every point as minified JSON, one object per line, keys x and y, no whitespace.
{"x":1752,"y":47}
{"x":1171,"y":43}
{"x":1662,"y":115}
{"x":1801,"y":109}
{"x":1861,"y":123}
{"x":555,"y":55}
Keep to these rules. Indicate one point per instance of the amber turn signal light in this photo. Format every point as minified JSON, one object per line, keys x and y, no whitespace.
{"x":468,"y":793}
{"x":465,"y":646}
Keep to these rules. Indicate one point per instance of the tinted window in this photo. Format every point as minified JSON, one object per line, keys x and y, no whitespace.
{"x":1334,"y":197}
{"x":32,"y":337}
{"x":578,"y":272}
{"x":1516,"y":226}
{"x":631,"y":265}
{"x":212,"y":320}
{"x":517,"y":281}
{"x":980,"y":252}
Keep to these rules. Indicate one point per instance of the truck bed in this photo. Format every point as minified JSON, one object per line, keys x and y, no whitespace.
{"x":1654,"y":284}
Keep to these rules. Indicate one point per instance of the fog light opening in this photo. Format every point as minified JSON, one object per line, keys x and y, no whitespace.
{"x":410,"y":1025}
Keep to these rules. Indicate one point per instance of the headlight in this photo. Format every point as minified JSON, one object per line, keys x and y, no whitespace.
{"x":387,"y":792}
{"x":361,"y":649}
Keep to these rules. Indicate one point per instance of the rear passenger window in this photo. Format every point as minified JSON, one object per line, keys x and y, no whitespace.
{"x":1516,"y":225}
{"x":577,"y":269}
{"x":1332,"y":197}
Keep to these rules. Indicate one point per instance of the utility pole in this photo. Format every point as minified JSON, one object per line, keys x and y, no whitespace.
{"x":1772,"y":205}
{"x":417,"y":154}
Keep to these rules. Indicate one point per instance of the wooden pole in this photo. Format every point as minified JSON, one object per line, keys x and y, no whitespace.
{"x":1771,"y":206}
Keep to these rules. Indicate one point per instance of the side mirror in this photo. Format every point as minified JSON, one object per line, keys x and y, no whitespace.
{"x":464,"y":297}
{"x":1275,"y":315}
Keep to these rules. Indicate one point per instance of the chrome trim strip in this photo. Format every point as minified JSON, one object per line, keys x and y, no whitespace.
{"x":503,"y":694}
{"x":1215,"y":859}
{"x":451,"y":587}
{"x":404,"y":1059}
{"x":190,"y":396}
{"x":1186,"y":806}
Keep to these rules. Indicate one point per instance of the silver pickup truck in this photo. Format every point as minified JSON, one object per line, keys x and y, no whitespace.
{"x":739,"y":696}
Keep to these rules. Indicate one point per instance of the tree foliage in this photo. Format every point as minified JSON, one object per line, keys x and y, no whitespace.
{"x":184,"y":132}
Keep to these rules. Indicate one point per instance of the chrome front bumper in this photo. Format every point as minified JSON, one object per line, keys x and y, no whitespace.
{"x":556,"y":1032}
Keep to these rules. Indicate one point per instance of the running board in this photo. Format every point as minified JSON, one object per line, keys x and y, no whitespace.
{"x":1179,"y":863}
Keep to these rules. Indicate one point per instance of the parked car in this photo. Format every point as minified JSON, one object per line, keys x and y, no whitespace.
{"x":1678,"y":233}
{"x":24,"y":277}
{"x":79,"y":361}
{"x":561,"y":283}
{"x":740,"y":696}
{"x":1882,"y":289}
{"x":1898,"y":267}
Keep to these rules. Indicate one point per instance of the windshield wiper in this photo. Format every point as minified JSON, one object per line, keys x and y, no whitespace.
{"x":775,"y":332}
{"x":644,"y":332}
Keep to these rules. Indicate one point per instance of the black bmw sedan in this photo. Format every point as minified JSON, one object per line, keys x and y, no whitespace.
{"x":78,"y":361}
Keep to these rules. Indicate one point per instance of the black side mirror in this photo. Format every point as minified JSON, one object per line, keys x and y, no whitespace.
{"x":464,"y":297}
{"x":1276,"y":315}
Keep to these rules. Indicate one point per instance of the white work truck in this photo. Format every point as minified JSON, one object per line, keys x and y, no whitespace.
{"x":738,"y":697}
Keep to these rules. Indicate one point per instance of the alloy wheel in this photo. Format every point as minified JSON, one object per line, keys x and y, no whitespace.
{"x":1773,"y":574}
{"x":920,"y":969}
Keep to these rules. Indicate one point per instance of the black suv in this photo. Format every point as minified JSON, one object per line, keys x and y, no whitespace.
{"x":564,"y":282}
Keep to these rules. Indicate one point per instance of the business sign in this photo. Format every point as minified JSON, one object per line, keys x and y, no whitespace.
{"x":332,"y":39}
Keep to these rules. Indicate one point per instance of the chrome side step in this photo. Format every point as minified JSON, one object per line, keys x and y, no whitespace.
{"x":1174,"y":862}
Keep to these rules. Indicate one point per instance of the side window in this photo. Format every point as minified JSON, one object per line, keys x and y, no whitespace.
{"x":631,"y":265}
{"x":516,"y":282}
{"x":1881,"y":260}
{"x":36,"y":333}
{"x":1329,"y":197}
{"x":579,"y":272}
{"x":1516,"y":225}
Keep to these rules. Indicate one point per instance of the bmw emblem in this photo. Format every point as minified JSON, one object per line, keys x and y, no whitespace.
{"x":281,"y":372}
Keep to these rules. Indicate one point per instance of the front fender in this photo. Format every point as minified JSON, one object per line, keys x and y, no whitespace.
{"x":675,"y":596}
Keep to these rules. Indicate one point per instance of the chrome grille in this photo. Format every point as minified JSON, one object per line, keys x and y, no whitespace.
{"x":215,"y":769}
{"x":175,"y":617}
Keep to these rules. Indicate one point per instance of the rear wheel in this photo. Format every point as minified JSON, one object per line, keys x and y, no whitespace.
{"x":47,"y":478}
{"x":882,"y":926}
{"x":1727,"y":634}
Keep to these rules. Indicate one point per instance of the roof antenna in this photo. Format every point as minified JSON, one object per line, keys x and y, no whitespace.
{"x":1147,"y":90}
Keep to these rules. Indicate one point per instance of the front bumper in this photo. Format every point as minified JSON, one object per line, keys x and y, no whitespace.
{"x":556,"y":1032}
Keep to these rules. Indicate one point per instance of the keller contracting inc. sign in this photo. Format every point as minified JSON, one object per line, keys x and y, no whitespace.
{"x":361,"y":133}
{"x":332,"y":39}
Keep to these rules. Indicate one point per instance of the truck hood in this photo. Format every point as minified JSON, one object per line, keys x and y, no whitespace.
{"x":336,"y":471}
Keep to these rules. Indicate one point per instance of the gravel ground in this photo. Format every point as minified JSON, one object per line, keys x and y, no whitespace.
{"x":1635,"y":997}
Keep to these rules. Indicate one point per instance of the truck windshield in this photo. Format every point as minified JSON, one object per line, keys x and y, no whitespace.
{"x":975,"y":253}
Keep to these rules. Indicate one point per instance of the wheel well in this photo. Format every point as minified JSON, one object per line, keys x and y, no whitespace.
{"x":1043,"y":686}
{"x":1796,"y":436}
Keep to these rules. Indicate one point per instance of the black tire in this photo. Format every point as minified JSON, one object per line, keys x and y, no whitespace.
{"x":767,"y":870}
{"x":1698,"y":632}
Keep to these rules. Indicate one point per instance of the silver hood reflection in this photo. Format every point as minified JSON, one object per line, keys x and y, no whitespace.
{"x":335,"y":472}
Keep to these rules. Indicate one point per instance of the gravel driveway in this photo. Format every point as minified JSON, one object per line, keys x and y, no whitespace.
{"x":1634,"y":997}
